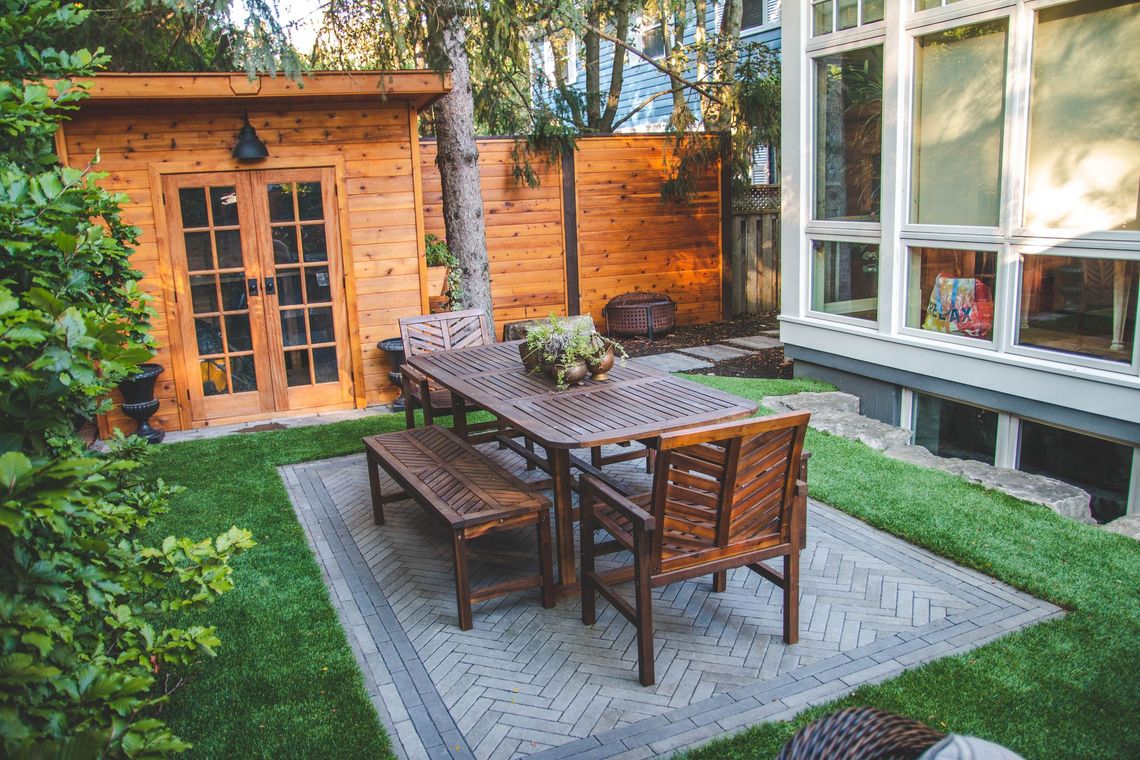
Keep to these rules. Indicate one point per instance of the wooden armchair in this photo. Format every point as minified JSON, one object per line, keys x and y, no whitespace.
{"x":724,"y":496}
{"x":440,"y":332}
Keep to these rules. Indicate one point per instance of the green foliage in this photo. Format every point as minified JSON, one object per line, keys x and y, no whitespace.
{"x":438,"y":254}
{"x":83,"y":664}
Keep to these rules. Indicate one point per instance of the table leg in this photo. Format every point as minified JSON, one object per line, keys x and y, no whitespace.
{"x":459,"y":415}
{"x":563,"y":516}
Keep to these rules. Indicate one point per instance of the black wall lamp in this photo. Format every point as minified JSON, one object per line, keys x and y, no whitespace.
{"x":249,"y":146}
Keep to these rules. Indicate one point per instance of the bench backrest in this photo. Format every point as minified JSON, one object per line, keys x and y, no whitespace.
{"x":440,"y":332}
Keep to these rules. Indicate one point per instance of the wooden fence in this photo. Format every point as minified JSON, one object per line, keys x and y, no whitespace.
{"x":595,"y":227}
{"x":754,"y":255}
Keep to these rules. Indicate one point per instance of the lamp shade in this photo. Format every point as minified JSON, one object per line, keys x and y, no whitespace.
{"x":249,"y":146}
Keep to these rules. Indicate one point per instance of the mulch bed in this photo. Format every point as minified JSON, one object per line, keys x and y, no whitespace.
{"x":768,"y":363}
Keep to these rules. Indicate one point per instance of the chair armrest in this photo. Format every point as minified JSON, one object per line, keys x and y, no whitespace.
{"x":412,"y":374}
{"x":801,"y":488}
{"x":617,"y":501}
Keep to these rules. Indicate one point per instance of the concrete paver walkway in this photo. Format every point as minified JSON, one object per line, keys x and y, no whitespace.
{"x":529,"y":681}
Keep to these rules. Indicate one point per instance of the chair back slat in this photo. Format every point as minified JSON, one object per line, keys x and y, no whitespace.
{"x":441,"y":332}
{"x":729,"y":483}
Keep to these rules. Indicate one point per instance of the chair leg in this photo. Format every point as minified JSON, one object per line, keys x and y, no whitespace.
{"x":644,"y":607}
{"x":529,"y":447}
{"x":720,"y":581}
{"x":425,"y":403}
{"x":792,"y":597}
{"x":586,"y":532}
{"x":596,"y":457}
{"x":377,"y":492}
{"x":462,"y":585}
{"x":650,"y":459}
{"x":545,"y":559}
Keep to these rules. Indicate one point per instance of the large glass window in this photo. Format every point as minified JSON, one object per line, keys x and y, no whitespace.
{"x":849,"y":134}
{"x":1079,"y":306}
{"x":952,"y":429}
{"x":845,"y":278}
{"x":951,"y":291}
{"x":1101,"y":467}
{"x":835,"y":15}
{"x":959,"y":96}
{"x":1084,"y":118}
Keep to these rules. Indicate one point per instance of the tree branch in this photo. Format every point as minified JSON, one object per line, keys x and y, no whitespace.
{"x":663,"y":69}
{"x":643,"y":104}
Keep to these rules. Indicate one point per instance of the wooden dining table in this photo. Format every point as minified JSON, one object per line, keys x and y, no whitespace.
{"x":635,"y":403}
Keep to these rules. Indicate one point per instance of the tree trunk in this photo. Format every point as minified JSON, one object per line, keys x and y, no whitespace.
{"x":720,"y":117}
{"x":458,"y":158}
{"x":617,"y":69}
{"x":593,"y":46}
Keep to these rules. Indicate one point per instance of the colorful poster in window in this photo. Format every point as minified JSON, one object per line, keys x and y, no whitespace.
{"x":960,"y":305}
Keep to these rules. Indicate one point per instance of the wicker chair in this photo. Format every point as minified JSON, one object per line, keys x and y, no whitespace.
{"x":861,"y":733}
{"x":724,"y":496}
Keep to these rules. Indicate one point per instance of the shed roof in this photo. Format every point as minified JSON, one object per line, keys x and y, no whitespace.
{"x":417,"y":86}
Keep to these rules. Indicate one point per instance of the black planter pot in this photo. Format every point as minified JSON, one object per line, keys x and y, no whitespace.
{"x":394,"y":348}
{"x":139,"y":402}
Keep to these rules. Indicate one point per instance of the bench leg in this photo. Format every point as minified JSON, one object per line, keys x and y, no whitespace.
{"x":377,"y":494}
{"x":462,"y":585}
{"x":545,"y":559}
{"x":792,"y":597}
{"x":720,"y":581}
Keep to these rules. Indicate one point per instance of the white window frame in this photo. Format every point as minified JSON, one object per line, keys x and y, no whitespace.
{"x":772,"y":11}
{"x":640,"y":29}
{"x":918,"y":333}
{"x":870,"y":325}
{"x":549,"y":62}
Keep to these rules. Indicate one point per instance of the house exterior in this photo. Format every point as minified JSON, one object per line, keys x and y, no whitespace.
{"x":960,"y":241}
{"x":641,"y":80}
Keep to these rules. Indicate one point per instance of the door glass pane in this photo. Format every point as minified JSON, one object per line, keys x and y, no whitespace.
{"x":229,"y":249}
{"x":192,"y":202}
{"x":297,"y":367}
{"x":1084,"y":133}
{"x":845,"y":279}
{"x":203,"y":293}
{"x":1081,"y":306}
{"x":848,"y":135}
{"x":280,"y":203}
{"x":285,"y":245}
{"x":198,"y":254}
{"x":317,"y":284}
{"x":238,"y":337}
{"x":951,"y":291}
{"x":244,"y":373}
{"x":309,"y":200}
{"x":233,"y":291}
{"x":209,"y":334}
{"x":324,"y":364}
{"x":289,"y":287}
{"x":214,"y":380}
{"x":293,"y":327}
{"x":959,"y":108}
{"x":321,"y":325}
{"x":313,"y":242}
{"x":223,"y":205}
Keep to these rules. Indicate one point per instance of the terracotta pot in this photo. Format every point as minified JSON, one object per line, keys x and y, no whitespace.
{"x":600,"y":370}
{"x":532,"y":360}
{"x":437,"y":281}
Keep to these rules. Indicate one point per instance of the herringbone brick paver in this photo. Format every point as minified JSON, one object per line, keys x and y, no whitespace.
{"x":528,"y":681}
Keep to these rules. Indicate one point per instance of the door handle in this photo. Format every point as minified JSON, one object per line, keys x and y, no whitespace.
{"x":252,"y":283}
{"x":270,"y":285}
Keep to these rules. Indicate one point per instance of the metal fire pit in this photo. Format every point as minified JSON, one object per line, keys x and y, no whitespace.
{"x":648,"y":314}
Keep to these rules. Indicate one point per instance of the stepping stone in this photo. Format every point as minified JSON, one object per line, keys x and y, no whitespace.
{"x":716,"y":353}
{"x":757,"y":342}
{"x":672,"y":362}
{"x":771,"y":333}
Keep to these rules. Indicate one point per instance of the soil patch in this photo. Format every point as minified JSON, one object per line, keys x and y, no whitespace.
{"x":687,"y":336}
{"x":769,"y":363}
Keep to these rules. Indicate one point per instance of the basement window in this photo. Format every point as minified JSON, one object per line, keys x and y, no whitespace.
{"x":1103,"y":468}
{"x":952,"y":429}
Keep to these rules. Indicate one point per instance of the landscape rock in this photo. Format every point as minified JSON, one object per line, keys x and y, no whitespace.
{"x":518,"y":330}
{"x":1061,"y":497}
{"x":832,"y":401}
{"x":1129,"y":525}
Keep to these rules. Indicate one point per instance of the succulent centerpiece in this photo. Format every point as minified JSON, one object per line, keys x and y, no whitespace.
{"x":568,"y":354}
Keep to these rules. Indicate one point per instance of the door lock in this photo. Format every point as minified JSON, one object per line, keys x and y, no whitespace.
{"x":270,"y":285}
{"x":252,"y":283}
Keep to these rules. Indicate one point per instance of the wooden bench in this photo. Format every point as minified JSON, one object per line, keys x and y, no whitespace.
{"x":469,"y":493}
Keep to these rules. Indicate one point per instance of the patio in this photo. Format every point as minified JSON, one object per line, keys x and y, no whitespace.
{"x":532,"y":681}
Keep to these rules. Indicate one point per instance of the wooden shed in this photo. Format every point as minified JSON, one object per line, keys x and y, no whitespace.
{"x":273,"y":280}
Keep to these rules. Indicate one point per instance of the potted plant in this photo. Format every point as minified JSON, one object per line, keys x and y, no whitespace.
{"x":443,"y":272}
{"x":558,"y":350}
{"x":601,"y":356}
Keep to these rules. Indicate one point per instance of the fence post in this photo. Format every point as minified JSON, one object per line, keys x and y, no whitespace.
{"x":570,"y":233}
{"x":726,"y":224}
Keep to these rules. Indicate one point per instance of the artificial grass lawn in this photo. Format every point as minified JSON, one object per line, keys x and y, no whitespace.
{"x":285,"y":683}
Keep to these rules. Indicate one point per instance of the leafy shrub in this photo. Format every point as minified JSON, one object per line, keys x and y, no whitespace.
{"x":438,"y":254}
{"x":86,"y":649}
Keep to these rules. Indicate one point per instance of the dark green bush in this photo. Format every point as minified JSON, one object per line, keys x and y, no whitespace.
{"x":86,"y":649}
